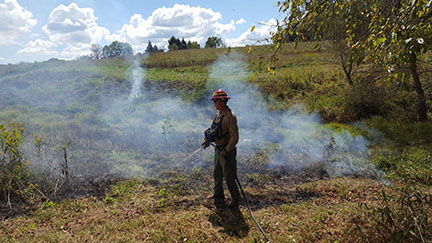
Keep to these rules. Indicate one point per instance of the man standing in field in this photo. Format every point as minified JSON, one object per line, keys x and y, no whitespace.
{"x":226,"y":138}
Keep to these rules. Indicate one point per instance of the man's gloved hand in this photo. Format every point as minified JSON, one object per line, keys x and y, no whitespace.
{"x":205,"y":144}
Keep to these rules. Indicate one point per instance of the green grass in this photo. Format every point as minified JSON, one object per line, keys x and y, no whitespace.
{"x":183,"y":58}
{"x":406,"y":154}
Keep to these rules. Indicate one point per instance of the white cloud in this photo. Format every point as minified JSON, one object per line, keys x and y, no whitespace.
{"x":255,"y":37}
{"x":39,"y":46}
{"x":44,"y":49}
{"x":181,"y":21}
{"x":241,"y":21}
{"x":71,"y":30}
{"x":75,"y":50}
{"x":38,"y":50}
{"x":15,"y":21}
{"x":74,"y":25}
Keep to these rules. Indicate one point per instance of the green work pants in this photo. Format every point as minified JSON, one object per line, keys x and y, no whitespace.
{"x":225,"y":167}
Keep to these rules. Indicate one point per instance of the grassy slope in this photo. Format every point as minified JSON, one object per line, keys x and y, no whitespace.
{"x":175,"y":209}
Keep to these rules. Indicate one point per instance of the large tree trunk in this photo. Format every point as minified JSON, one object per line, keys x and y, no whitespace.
{"x":422,"y":110}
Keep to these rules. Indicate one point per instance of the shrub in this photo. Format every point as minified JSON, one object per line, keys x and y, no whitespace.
{"x":366,"y":98}
{"x":14,"y":175}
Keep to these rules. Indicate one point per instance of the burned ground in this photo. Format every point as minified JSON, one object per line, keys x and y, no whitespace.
{"x":178,"y":207}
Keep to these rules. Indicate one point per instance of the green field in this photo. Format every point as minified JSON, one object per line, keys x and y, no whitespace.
{"x":320,"y":160}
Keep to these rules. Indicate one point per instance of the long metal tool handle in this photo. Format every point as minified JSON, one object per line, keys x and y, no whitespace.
{"x":250,"y":211}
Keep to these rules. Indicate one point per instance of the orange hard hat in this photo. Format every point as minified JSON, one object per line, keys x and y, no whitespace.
{"x":220,"y":94}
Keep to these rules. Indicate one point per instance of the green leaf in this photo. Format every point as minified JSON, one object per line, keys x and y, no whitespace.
{"x":380,"y":40}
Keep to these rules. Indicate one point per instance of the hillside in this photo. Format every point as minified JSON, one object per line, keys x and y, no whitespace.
{"x":109,"y":142}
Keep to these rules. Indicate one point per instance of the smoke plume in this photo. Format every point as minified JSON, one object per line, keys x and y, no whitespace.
{"x":122,"y":125}
{"x":138,"y":74}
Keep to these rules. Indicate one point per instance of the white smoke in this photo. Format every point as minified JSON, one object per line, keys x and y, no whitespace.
{"x":138,"y":77}
{"x":157,"y":131}
{"x":294,"y":139}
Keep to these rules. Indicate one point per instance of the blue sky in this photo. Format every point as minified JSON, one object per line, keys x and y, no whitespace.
{"x":36,"y":30}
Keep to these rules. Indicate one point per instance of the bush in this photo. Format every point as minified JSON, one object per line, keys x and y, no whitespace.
{"x":14,"y":175}
{"x":366,"y":98}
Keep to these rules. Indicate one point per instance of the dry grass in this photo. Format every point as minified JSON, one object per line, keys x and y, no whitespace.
{"x":317,"y":211}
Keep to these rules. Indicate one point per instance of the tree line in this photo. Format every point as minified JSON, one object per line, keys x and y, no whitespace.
{"x":124,"y":49}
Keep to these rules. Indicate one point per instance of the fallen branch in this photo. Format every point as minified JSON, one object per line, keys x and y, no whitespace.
{"x":43,"y":195}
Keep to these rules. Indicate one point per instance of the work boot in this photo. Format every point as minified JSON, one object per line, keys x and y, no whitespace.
{"x":219,"y":203}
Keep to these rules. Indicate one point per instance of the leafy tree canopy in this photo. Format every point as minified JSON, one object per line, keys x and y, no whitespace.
{"x":214,"y":42}
{"x":117,"y":49}
{"x":193,"y":45}
{"x":96,"y":51}
{"x":152,"y":48}
{"x":392,"y":33}
{"x":177,"y":44}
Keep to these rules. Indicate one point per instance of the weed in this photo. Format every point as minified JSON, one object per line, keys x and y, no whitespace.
{"x":115,"y":212}
{"x":124,"y":188}
{"x":161,"y":203}
{"x":14,"y":176}
{"x":162,"y":194}
{"x":167,"y":126}
{"x":196,"y":172}
{"x":48,"y":204}
{"x":108,"y":200}
{"x":38,"y":144}
{"x":119,"y":190}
